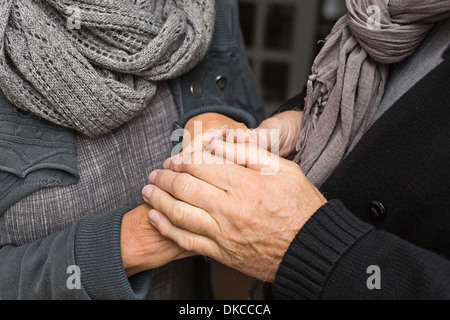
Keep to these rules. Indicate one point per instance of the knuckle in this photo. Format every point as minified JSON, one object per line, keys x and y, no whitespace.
{"x":242,"y":219}
{"x":189,"y":242}
{"x":164,"y":230}
{"x":180,"y":214}
{"x":180,"y":185}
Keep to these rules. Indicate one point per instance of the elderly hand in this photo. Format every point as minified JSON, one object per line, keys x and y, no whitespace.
{"x":230,"y":212}
{"x":142,"y":246}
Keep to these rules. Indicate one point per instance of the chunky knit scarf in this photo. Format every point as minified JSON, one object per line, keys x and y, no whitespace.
{"x":92,"y":65}
{"x":349,"y":75}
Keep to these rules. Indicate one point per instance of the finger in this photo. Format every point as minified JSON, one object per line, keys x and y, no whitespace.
{"x":180,"y":213}
{"x":196,"y":157}
{"x":207,"y":167}
{"x":202,"y":139}
{"x":186,"y":240}
{"x":241,"y":136}
{"x":188,"y":188}
{"x":247,"y":155}
{"x":257,"y":136}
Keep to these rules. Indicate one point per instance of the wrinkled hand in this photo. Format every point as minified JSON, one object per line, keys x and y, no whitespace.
{"x":142,"y":246}
{"x":229,"y":212}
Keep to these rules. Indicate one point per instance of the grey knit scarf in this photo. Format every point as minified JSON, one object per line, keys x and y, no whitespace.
{"x":349,"y":75}
{"x":92,"y":65}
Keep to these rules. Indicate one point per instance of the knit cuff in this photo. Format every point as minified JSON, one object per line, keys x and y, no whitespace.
{"x":237,"y":114}
{"x":316,"y":249}
{"x":98,"y":255}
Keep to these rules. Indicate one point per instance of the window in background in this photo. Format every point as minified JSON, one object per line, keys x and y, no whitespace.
{"x":282,"y":37}
{"x":279,"y":27}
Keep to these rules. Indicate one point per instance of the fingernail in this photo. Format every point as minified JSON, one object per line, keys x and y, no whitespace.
{"x":147,"y":192}
{"x":154,"y":217}
{"x":152,"y":177}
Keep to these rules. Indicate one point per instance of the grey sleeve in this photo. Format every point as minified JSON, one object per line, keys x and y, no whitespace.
{"x":81,"y":262}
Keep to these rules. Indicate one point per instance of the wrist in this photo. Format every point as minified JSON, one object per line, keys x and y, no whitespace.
{"x":133,"y":240}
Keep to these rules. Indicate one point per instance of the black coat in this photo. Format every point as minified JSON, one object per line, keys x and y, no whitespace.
{"x":389,"y":208}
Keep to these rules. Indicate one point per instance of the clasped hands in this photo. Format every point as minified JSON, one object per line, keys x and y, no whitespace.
{"x":216,"y":201}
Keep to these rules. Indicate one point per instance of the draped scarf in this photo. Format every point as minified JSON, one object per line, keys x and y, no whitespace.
{"x":92,"y":65}
{"x":348,"y":78}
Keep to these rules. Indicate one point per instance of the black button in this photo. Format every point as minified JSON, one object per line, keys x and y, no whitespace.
{"x":196,"y":89}
{"x":377,"y":209}
{"x":221,"y":82}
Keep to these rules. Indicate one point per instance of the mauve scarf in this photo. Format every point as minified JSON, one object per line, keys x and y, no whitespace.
{"x":92,"y":65}
{"x":349,"y":75}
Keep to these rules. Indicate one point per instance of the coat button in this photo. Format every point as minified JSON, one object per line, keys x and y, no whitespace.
{"x":221,"y":82}
{"x":196,"y":89}
{"x":377,"y":209}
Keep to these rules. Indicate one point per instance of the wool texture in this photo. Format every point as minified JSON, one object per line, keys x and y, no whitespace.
{"x":93,"y":65}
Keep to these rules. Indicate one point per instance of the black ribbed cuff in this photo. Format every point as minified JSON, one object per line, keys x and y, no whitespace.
{"x":318,"y":246}
{"x":98,"y":255}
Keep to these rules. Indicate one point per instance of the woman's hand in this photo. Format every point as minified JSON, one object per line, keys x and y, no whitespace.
{"x":142,"y":246}
{"x":232,"y":213}
{"x":278,"y":134}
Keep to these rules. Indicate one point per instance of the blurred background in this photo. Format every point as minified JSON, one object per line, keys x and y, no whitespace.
{"x":282,"y":38}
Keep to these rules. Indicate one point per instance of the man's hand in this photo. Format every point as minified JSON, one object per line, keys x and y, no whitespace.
{"x":232,"y":213}
{"x":142,"y":246}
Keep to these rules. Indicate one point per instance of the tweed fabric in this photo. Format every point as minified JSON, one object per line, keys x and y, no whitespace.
{"x":113,"y":169}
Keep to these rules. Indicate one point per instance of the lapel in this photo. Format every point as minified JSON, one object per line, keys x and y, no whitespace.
{"x":402,"y":162}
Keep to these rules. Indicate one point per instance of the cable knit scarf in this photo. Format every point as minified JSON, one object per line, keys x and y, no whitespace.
{"x":349,"y":75}
{"x":92,"y":65}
